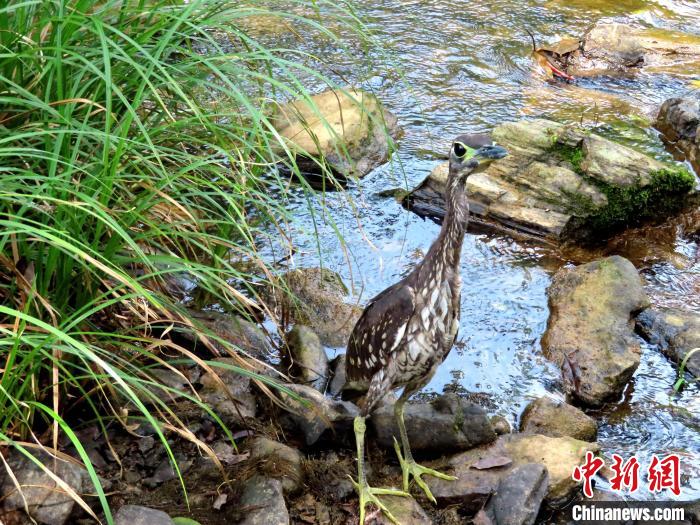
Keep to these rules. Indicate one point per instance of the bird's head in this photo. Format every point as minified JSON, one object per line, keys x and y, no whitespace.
{"x":469,"y":152}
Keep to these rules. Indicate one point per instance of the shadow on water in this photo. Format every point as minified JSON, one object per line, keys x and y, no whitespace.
{"x":466,"y":67}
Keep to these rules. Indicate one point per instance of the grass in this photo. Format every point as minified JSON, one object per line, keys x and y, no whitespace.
{"x":137,"y":166}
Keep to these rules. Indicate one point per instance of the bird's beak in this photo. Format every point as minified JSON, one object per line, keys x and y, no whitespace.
{"x":490,"y":152}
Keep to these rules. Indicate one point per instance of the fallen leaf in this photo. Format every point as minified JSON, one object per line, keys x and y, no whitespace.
{"x":492,"y":462}
{"x":220,"y":501}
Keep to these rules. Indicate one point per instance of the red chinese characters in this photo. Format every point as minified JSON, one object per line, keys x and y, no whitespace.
{"x":626,"y":474}
{"x":665,"y":474}
{"x":586,"y":471}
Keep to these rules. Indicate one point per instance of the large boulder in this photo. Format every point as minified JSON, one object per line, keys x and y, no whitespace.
{"x":138,"y":515}
{"x":46,"y":501}
{"x":348,"y":128}
{"x":447,"y":424}
{"x":278,"y":461}
{"x":480,"y":471}
{"x":315,"y":297}
{"x":549,"y":417}
{"x":241,"y":333}
{"x":560,"y":183}
{"x":679,"y":122}
{"x":676,"y":332}
{"x":590,"y":331}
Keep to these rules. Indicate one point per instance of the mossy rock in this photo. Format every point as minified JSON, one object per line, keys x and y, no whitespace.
{"x":563,"y":184}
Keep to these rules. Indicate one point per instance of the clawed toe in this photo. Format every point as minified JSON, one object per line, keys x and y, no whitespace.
{"x":412,"y":469}
{"x":369,"y":495}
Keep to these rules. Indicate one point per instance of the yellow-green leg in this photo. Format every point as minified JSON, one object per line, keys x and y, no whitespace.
{"x":408,"y":464}
{"x":369,"y":494}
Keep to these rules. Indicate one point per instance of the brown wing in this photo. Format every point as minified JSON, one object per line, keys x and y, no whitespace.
{"x":380,"y":331}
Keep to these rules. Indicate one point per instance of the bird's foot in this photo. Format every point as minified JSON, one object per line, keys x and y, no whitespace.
{"x":411,"y":468}
{"x":369,"y":495}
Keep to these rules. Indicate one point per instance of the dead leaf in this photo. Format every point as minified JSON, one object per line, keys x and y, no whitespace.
{"x":220,"y":501}
{"x":492,"y":462}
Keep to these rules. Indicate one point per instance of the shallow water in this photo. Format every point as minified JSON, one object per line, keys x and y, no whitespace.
{"x":466,"y":66}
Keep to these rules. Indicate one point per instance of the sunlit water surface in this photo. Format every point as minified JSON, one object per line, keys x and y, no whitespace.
{"x":466,"y":66}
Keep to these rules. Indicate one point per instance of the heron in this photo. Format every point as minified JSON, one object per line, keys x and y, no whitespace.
{"x":405,"y":332}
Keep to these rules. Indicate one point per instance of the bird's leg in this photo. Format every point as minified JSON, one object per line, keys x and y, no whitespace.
{"x":409,"y":466}
{"x":369,"y":494}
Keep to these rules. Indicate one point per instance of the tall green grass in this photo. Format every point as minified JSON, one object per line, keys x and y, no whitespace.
{"x":135,"y":153}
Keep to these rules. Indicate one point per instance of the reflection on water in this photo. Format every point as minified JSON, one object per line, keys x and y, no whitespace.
{"x":465,"y":66}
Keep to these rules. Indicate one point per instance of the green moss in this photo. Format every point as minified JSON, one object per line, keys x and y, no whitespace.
{"x":663,"y":195}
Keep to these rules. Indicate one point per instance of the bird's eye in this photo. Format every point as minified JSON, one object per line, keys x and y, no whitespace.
{"x":459,"y":149}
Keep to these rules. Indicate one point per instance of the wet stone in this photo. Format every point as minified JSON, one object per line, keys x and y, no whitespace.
{"x":262,"y":502}
{"x":555,"y":418}
{"x":590,"y":331}
{"x":137,"y":515}
{"x":449,"y":423}
{"x":676,"y":332}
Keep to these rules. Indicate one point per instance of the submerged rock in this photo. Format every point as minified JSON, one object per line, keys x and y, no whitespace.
{"x":590,"y":331}
{"x":560,"y":183}
{"x":676,"y":332}
{"x":315,"y":297}
{"x":447,"y":424}
{"x":262,"y":502}
{"x":679,"y":122}
{"x":556,"y":418}
{"x":348,"y":128}
{"x":138,"y":515}
{"x":307,"y":358}
{"x":46,"y":501}
{"x":481,"y":470}
{"x":229,"y":394}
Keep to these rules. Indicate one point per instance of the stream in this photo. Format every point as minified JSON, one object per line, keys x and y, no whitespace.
{"x":463,"y":67}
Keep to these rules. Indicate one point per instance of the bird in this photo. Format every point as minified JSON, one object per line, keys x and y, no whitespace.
{"x":405,"y":332}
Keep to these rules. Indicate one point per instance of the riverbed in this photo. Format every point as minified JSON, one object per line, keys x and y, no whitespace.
{"x":449,"y":67}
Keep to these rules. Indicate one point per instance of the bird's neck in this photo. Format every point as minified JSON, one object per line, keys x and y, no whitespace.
{"x":448,"y":246}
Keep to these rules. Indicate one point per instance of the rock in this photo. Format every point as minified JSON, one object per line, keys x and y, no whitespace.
{"x":675,"y":331}
{"x":46,"y":501}
{"x":231,"y":397}
{"x":137,"y":515}
{"x":339,"y":377}
{"x":556,"y":419}
{"x":316,"y":301}
{"x":278,"y":461}
{"x":320,"y":414}
{"x":243,"y":334}
{"x":611,"y":48}
{"x":500,"y":425}
{"x":308,"y":360}
{"x":519,"y":495}
{"x":407,"y":511}
{"x":262,"y":502}
{"x":349,"y":129}
{"x":474,"y":486}
{"x":590,"y":331}
{"x":447,"y":424}
{"x":679,"y":121}
{"x":560,"y":184}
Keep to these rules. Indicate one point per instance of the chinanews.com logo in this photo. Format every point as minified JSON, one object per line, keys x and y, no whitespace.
{"x":662,"y":476}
